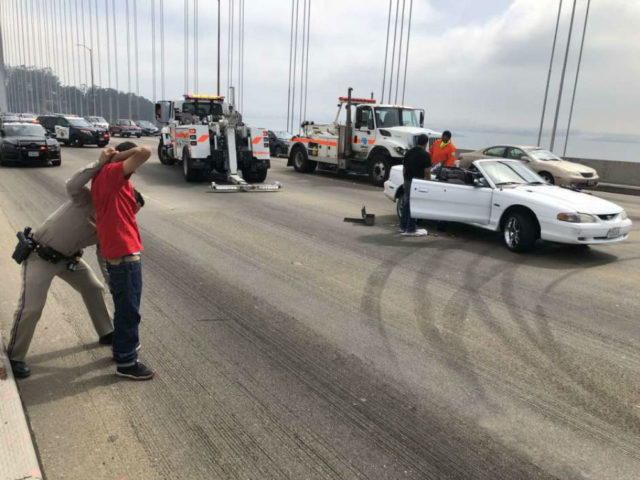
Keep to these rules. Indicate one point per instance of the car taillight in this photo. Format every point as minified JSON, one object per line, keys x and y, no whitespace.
{"x":106,"y":135}
{"x":44,"y":148}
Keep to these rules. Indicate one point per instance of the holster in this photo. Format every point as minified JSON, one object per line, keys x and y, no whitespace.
{"x":24,"y":247}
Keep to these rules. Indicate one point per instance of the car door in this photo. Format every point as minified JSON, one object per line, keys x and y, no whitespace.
{"x":450,"y":201}
{"x":364,"y":132}
{"x":62,"y":129}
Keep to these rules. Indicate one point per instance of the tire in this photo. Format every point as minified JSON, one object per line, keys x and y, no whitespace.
{"x":300,"y":160}
{"x":102,"y":145}
{"x":547,"y":177}
{"x":165,"y":159}
{"x":379,"y":168}
{"x":56,"y":163}
{"x":3,"y":162}
{"x":399,"y":205}
{"x":75,"y":142}
{"x":190,"y":175}
{"x":256,"y":176}
{"x":138,"y":136}
{"x":277,"y":152}
{"x":519,"y":232}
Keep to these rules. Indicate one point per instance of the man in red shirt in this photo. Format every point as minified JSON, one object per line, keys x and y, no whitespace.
{"x":443,"y":150}
{"x":116,"y":207}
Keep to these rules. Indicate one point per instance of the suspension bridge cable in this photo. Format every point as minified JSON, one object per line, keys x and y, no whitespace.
{"x":290,"y":58}
{"x":186,"y":45}
{"x":295,"y":57}
{"x":110,"y":96}
{"x":99,"y":49}
{"x":242,"y":61}
{"x":135,"y":41}
{"x":229,"y":50}
{"x":232,"y":45}
{"x":195,"y":46}
{"x":302,"y":56}
{"x":564,"y":68}
{"x":406,"y":60}
{"x":129,"y":114}
{"x":306,"y":68}
{"x":153,"y":49}
{"x":386,"y":51}
{"x":393,"y":52}
{"x":68,"y":66}
{"x":575,"y":84}
{"x":395,"y":100}
{"x":546,"y":90}
{"x":115,"y":56}
{"x":93,"y":87}
{"x":25,"y":57}
{"x":32,"y":56}
{"x":74,"y":52}
{"x":42,"y":69}
{"x":162,"y":83}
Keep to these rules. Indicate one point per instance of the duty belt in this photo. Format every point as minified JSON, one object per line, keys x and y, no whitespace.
{"x":52,"y":255}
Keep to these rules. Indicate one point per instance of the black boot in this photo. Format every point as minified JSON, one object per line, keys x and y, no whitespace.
{"x":20,"y":369}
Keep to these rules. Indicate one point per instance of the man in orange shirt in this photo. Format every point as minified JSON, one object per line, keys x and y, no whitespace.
{"x":443,"y":151}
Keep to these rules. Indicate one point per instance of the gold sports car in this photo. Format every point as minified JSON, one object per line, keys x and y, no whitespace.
{"x":549,"y":166}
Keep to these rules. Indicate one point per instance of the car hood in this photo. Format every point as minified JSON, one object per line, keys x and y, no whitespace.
{"x":405,"y":131}
{"x":563,"y":199}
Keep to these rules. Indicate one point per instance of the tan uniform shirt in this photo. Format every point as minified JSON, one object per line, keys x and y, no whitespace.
{"x":72,"y":226}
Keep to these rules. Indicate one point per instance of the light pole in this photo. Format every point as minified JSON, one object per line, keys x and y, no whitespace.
{"x":93,"y":91}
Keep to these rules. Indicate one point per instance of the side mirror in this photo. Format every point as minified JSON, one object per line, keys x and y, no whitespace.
{"x":163,"y":111}
{"x":422,"y":118}
{"x":370,"y":124}
{"x":524,"y":158}
{"x":480,"y":182}
{"x":2,"y":133}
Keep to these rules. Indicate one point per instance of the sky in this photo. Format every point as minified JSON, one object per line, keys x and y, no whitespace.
{"x":472,"y":64}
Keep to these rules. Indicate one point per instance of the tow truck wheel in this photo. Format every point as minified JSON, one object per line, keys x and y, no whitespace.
{"x":301,"y":162}
{"x":257,"y":176}
{"x":164,"y":157}
{"x":519,"y":231}
{"x":190,"y":175}
{"x":379,"y":167}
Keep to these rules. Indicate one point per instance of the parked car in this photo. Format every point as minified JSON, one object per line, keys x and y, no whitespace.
{"x":72,"y":130}
{"x":508,"y":197}
{"x":8,"y":117}
{"x":549,"y":166}
{"x":147,"y":127}
{"x":27,"y":144}
{"x":125,"y":128}
{"x":278,"y":146}
{"x":99,"y":122}
{"x":27,"y":117}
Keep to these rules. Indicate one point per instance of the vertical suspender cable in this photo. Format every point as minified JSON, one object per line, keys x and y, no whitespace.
{"x":218,"y":56}
{"x":242,"y":61}
{"x":395,"y":100}
{"x":575,"y":84}
{"x":84,"y":55}
{"x":546,"y":90}
{"x":229,"y":50}
{"x":75,"y":51}
{"x":65,"y":43}
{"x":153,"y":50}
{"x":4,"y":103}
{"x":109,"y":97}
{"x":135,"y":41}
{"x":303,"y":52}
{"x":393,"y":52}
{"x":33,"y":56}
{"x":72,"y":60}
{"x":56,"y":58}
{"x":295,"y":57}
{"x":98,"y":42}
{"x":28,"y":92}
{"x":115,"y":56}
{"x":231,"y":46}
{"x":564,"y":68}
{"x":50,"y":53}
{"x":186,"y":45}
{"x":162,"y":49}
{"x":195,"y":46}
{"x":93,"y":87}
{"x":290,"y":58}
{"x":406,"y":60}
{"x":386,"y":52}
{"x":306,"y":68}
{"x":42,"y":67}
{"x":129,"y":114}
{"x":7,"y":42}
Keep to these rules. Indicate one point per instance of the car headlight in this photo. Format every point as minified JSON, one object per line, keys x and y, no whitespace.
{"x":577,"y":218}
{"x":623,"y":215}
{"x":400,"y":150}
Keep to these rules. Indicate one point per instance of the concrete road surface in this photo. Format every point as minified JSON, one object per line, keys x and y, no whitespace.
{"x":292,"y":345}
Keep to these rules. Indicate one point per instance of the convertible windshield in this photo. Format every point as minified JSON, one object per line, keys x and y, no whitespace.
{"x":394,"y":117}
{"x":510,"y":173}
{"x":543,"y":155}
{"x":78,"y":122}
{"x":24,"y":130}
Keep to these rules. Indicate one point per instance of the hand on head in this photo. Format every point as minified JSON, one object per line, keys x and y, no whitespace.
{"x":106,"y":155}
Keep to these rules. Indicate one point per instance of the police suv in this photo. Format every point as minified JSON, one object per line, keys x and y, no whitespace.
{"x":73,"y":130}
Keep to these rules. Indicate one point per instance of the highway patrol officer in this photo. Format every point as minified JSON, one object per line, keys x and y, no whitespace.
{"x":54,"y":250}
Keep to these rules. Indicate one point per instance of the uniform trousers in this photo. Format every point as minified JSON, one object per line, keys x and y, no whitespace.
{"x":37,"y":275}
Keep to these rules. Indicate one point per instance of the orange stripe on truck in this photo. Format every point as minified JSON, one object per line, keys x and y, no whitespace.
{"x":257,"y":140}
{"x":319,"y":142}
{"x":203,"y":138}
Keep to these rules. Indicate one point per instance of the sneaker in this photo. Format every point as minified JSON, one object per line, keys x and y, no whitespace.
{"x":400,"y":230}
{"x":136,"y":372}
{"x":421,"y":232}
{"x":20,"y":369}
{"x":106,"y":339}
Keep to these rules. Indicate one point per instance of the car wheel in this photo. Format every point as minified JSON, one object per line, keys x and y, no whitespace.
{"x":75,"y":142}
{"x":519,"y":232}
{"x":547,"y":177}
{"x":138,"y":136}
{"x":56,"y":163}
{"x":301,"y":162}
{"x":399,"y":205}
{"x":379,"y":168}
{"x":3,"y":162}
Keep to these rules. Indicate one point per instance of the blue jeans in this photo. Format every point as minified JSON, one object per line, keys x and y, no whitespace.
{"x":125,"y":283}
{"x":407,"y":223}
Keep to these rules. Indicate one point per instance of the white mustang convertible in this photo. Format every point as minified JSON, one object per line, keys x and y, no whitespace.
{"x":507,"y":196}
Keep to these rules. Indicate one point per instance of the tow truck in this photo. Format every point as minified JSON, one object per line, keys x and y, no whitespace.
{"x":207,"y":135}
{"x":378,"y":140}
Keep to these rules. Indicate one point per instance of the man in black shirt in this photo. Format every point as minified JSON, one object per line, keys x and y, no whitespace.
{"x":417,"y":164}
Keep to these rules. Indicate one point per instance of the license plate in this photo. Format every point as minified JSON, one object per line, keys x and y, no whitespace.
{"x":591,"y":183}
{"x":34,"y":154}
{"x":613,"y":232}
